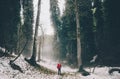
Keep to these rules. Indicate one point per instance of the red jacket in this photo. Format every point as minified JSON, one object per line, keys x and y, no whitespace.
{"x":58,"y":66}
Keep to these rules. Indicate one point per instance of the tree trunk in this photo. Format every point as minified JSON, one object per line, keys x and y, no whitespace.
{"x":33,"y":58}
{"x":41,"y":42}
{"x":79,"y":59}
{"x":39,"y":49}
{"x":79,"y":55}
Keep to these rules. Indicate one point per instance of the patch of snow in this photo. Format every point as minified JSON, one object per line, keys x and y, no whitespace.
{"x":2,"y":49}
{"x":52,"y":65}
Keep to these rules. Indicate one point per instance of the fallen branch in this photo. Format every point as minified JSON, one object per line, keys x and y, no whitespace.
{"x":20,"y":52}
{"x":15,"y":67}
{"x":113,"y":70}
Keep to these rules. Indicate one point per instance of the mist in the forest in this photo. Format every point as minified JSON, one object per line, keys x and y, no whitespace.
{"x":49,"y":49}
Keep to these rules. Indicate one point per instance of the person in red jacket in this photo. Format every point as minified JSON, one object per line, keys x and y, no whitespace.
{"x":59,"y":68}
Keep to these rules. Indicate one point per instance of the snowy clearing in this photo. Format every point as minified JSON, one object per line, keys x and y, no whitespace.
{"x":6,"y":72}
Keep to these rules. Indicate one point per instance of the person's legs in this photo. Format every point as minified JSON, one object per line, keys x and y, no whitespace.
{"x":59,"y":71}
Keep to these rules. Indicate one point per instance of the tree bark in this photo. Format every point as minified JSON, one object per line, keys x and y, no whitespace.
{"x":79,"y":59}
{"x":33,"y":58}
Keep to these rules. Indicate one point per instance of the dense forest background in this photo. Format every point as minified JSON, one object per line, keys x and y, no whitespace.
{"x":99,"y":28}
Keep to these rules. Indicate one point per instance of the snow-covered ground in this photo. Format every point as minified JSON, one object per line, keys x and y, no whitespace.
{"x":52,"y":65}
{"x":6,"y":72}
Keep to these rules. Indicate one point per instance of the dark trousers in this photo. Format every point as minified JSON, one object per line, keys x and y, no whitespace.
{"x":59,"y":71}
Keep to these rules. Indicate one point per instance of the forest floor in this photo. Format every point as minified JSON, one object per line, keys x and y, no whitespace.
{"x":29,"y":72}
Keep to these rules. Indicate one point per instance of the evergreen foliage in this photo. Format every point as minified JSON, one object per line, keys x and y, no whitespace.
{"x":68,"y":33}
{"x":9,"y":20}
{"x":55,"y":14}
{"x":87,"y":35}
{"x":99,"y":26}
{"x":112,"y":26}
{"x":28,"y":18}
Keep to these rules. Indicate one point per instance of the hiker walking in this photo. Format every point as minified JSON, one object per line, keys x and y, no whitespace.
{"x":59,"y":68}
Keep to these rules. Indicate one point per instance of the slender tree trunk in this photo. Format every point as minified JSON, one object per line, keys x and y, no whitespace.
{"x":79,"y":59}
{"x":39,"y":49}
{"x":41,"y":42}
{"x":18,"y":48}
{"x":33,"y":58}
{"x":79,"y":55}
